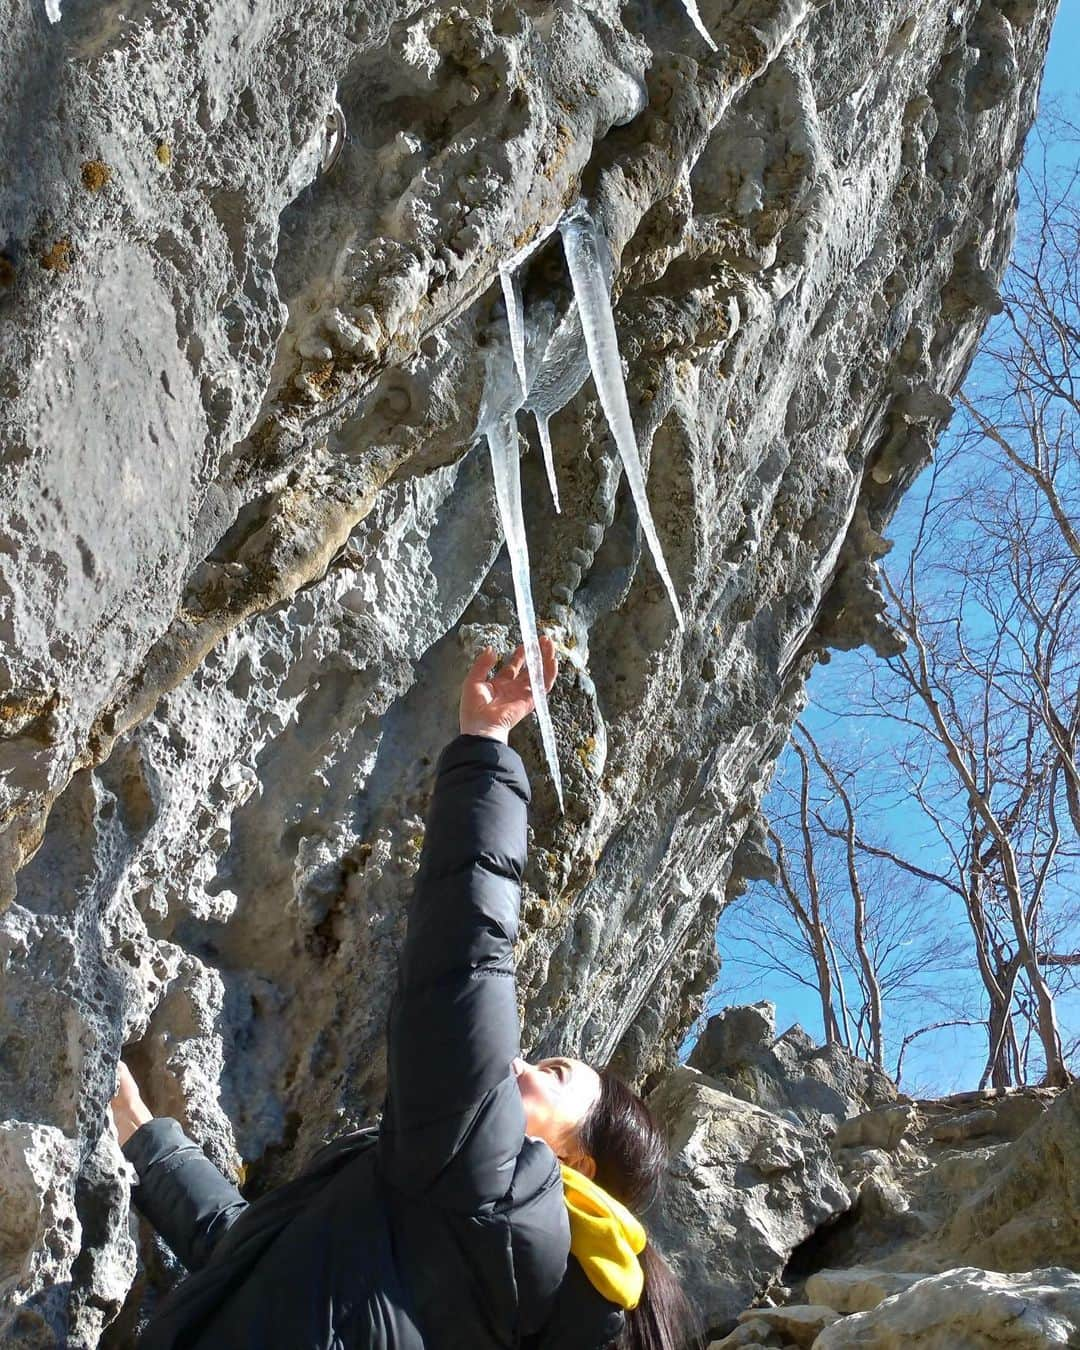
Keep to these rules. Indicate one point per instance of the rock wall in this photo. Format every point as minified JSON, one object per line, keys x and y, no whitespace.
{"x":246,"y":551}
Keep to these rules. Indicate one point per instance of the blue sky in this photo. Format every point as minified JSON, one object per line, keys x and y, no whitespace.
{"x":1060,"y":75}
{"x":948,"y":1060}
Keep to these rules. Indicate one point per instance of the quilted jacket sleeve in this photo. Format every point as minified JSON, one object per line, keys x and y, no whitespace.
{"x":180,"y":1191}
{"x":453,"y":1121}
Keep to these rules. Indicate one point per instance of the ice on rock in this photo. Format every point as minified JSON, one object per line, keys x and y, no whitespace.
{"x":544,"y":432}
{"x":562,"y":368}
{"x":693,"y":14}
{"x":515,"y":319}
{"x":584,"y":259}
{"x":547,"y":360}
{"x":52,"y":10}
{"x":498,"y":423}
{"x":550,"y":354}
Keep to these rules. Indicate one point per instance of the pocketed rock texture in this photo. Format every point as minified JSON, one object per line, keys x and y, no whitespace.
{"x":245,"y":552}
{"x":963,"y":1309}
{"x":968,"y":1308}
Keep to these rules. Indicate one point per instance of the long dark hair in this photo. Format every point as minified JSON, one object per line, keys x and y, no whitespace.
{"x":623,"y":1139}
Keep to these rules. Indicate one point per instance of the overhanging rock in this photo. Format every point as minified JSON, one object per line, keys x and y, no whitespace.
{"x":246,"y":552}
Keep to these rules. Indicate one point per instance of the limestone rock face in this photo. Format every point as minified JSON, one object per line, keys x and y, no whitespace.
{"x":856,"y":1289}
{"x":797,"y":1324}
{"x":246,"y":550}
{"x":967,"y":1309}
{"x":744,"y":1188}
{"x":1027,"y":1210}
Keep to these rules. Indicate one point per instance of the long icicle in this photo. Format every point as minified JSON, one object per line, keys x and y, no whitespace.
{"x":594,"y":306}
{"x":694,"y":15}
{"x":515,"y":319}
{"x":502,"y":439}
{"x":544,"y":433}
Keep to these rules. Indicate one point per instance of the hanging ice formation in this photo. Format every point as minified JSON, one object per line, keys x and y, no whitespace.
{"x":582,"y":250}
{"x":515,"y":319}
{"x":498,"y":422}
{"x":694,"y":16}
{"x":562,"y":362}
{"x":545,"y":364}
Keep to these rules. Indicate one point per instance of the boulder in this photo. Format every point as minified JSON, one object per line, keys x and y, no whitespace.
{"x":882,"y":1128}
{"x":968,"y":1309}
{"x":963,"y":1183}
{"x":751,"y":1333}
{"x":856,"y":1289}
{"x":796,"y":1323}
{"x":744,"y":1188}
{"x":1027,"y":1209}
{"x":789,"y":1073}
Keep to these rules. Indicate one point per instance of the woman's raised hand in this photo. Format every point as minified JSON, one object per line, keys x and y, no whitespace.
{"x":493,"y":707}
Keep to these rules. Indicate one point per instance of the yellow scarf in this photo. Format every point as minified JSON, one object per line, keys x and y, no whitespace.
{"x":605,"y":1237}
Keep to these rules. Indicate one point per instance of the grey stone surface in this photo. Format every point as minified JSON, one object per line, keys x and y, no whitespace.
{"x":881,"y":1128}
{"x":245,"y":552}
{"x":968,"y":1309}
{"x":966,"y":1183}
{"x":943,"y":1194}
{"x":744,"y":1188}
{"x":790,"y":1073}
{"x":796,"y":1323}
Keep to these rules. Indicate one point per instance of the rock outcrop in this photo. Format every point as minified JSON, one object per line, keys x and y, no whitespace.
{"x":744,"y":1189}
{"x":789,"y":1074}
{"x":968,"y":1307}
{"x":245,"y":551}
{"x":962,"y":1309}
{"x":989,"y":1179}
{"x":960,"y":1228}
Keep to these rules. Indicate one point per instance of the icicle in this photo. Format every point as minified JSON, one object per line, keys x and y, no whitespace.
{"x":694,"y":16}
{"x":498,"y":422}
{"x":515,"y":260}
{"x":549,"y":459}
{"x":583,"y":258}
{"x":562,"y":368}
{"x":551,"y":358}
{"x":515,"y":319}
{"x":502,"y":439}
{"x":511,"y":287}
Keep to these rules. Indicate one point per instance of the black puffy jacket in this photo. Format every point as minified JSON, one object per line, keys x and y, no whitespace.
{"x":444,"y":1227}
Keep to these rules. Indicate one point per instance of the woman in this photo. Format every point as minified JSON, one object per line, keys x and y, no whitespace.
{"x":491,"y":1207}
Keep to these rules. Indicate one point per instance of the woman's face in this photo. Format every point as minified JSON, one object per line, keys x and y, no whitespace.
{"x":558,"y":1094}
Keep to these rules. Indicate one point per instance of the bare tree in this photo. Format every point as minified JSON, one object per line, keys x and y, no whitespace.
{"x":868,"y":974}
{"x":981,"y":712}
{"x":834,"y":920}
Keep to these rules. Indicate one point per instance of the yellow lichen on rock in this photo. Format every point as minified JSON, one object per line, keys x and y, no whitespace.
{"x":58,"y":257}
{"x":95,"y":174}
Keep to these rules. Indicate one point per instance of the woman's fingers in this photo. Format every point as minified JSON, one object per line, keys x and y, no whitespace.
{"x":482,"y":663}
{"x":520,"y":672}
{"x":508,"y":696}
{"x":127,"y":1090}
{"x":513,"y":663}
{"x":547,"y":654}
